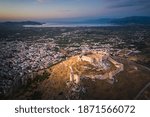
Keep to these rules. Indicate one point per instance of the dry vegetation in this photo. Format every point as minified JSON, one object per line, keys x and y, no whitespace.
{"x":128,"y":85}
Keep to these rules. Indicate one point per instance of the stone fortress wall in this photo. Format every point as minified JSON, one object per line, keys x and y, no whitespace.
{"x":97,"y":58}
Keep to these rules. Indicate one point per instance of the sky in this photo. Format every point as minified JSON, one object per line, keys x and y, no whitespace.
{"x":71,"y":9}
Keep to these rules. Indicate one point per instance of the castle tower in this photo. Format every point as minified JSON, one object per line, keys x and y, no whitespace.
{"x":71,"y":74}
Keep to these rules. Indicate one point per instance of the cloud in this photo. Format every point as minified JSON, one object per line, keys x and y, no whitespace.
{"x":121,"y":5}
{"x":40,"y":0}
{"x":128,"y":3}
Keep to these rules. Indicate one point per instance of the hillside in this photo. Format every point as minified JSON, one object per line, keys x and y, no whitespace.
{"x":127,"y":85}
{"x":136,"y":20}
{"x":132,"y":20}
{"x":18,"y":24}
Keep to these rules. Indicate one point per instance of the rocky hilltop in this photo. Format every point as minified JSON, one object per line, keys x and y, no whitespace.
{"x":94,"y":65}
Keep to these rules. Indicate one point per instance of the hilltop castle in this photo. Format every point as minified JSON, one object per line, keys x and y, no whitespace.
{"x":98,"y":59}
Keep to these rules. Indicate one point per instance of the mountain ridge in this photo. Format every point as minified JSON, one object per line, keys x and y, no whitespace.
{"x":132,"y":20}
{"x":19,"y":23}
{"x":122,"y":21}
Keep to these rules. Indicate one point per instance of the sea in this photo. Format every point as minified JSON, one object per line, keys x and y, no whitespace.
{"x":70,"y":25}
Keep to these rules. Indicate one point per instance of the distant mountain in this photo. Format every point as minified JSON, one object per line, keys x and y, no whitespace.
{"x":9,"y":23}
{"x":132,"y":20}
{"x":144,"y":20}
{"x":99,"y":21}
